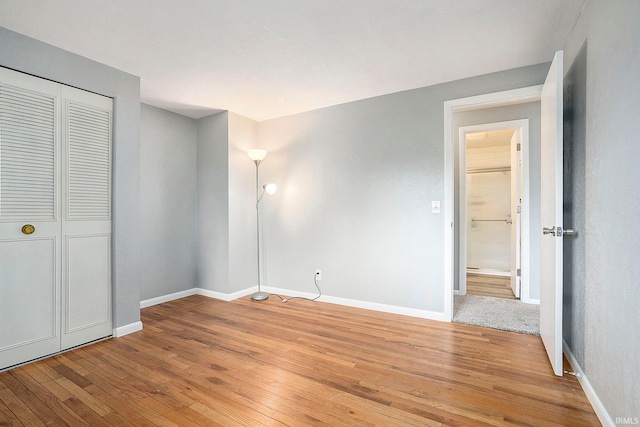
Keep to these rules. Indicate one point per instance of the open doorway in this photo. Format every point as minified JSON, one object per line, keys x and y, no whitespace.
{"x":488,"y":108}
{"x":493,"y":223}
{"x":491,"y":209}
{"x":506,"y":105}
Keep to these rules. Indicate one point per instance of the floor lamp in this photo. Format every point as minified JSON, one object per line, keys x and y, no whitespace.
{"x":258,"y":155}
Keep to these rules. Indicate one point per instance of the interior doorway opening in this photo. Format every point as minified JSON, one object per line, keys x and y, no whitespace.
{"x":493,"y":222}
{"x":492,"y":208}
{"x":451,"y":236}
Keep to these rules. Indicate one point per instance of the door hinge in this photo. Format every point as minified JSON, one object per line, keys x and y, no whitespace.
{"x":518,"y":146}
{"x":518,"y":272}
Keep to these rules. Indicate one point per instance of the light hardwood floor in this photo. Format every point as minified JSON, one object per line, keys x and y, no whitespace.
{"x":489,"y":286}
{"x":205,"y":362}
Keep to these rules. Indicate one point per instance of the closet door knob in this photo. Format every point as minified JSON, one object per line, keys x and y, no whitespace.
{"x":28,"y":229}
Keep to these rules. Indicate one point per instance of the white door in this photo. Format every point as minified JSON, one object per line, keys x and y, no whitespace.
{"x":551,"y":214}
{"x":516,"y":211}
{"x":86,"y":222}
{"x":30,"y":223}
{"x":55,"y":220}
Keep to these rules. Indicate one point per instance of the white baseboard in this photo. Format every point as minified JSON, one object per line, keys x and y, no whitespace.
{"x":226,"y":297}
{"x":166,"y":298}
{"x":195,"y":291}
{"x":595,"y":401}
{"x":424,"y":314}
{"x":127,"y":329}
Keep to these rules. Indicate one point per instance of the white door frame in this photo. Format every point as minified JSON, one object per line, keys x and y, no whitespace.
{"x":517,"y":208}
{"x":522,"y":127}
{"x":491,"y":100}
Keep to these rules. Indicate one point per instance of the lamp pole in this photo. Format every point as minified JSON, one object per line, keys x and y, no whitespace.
{"x":258,"y":296}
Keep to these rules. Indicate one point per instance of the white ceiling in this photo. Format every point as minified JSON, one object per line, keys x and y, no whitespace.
{"x":264,"y":59}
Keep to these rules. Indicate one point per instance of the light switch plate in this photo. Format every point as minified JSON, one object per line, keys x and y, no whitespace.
{"x":435,"y":206}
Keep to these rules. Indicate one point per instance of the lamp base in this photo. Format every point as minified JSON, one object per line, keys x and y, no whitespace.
{"x":260,"y":296}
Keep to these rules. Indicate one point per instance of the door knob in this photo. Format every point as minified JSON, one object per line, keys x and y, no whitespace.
{"x":28,"y":229}
{"x":549,"y":230}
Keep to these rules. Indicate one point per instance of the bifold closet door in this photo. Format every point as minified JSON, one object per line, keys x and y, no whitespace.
{"x":86,"y":225}
{"x":55,"y":217}
{"x":30,"y":220}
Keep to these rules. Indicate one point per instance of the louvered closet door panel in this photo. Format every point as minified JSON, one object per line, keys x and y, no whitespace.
{"x":87,"y":221}
{"x":27,"y":155}
{"x":89,"y":162}
{"x":30,"y":274}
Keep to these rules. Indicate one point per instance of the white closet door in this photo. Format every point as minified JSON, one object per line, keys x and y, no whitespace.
{"x":87,"y":217}
{"x":29,"y":193}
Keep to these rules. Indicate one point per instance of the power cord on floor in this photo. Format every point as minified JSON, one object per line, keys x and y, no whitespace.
{"x":315,"y":281}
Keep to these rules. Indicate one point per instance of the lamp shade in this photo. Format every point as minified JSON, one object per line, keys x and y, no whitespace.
{"x":270,"y":188}
{"x":256,"y":154}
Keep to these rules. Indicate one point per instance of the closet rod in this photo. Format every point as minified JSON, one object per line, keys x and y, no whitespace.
{"x":489,"y":170}
{"x":507,"y":220}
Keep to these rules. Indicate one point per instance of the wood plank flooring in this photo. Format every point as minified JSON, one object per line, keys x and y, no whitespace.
{"x":204,"y":362}
{"x":489,"y":286}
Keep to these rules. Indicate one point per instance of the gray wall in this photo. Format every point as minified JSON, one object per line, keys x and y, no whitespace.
{"x":226,"y":214}
{"x":167,"y":202}
{"x":212,"y":202}
{"x":529,"y":111}
{"x":28,"y":55}
{"x":357,"y":181}
{"x":604,"y":299}
{"x":575,"y":92}
{"x":243,"y":135}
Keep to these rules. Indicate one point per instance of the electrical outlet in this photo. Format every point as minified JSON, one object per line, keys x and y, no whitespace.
{"x":318,"y":274}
